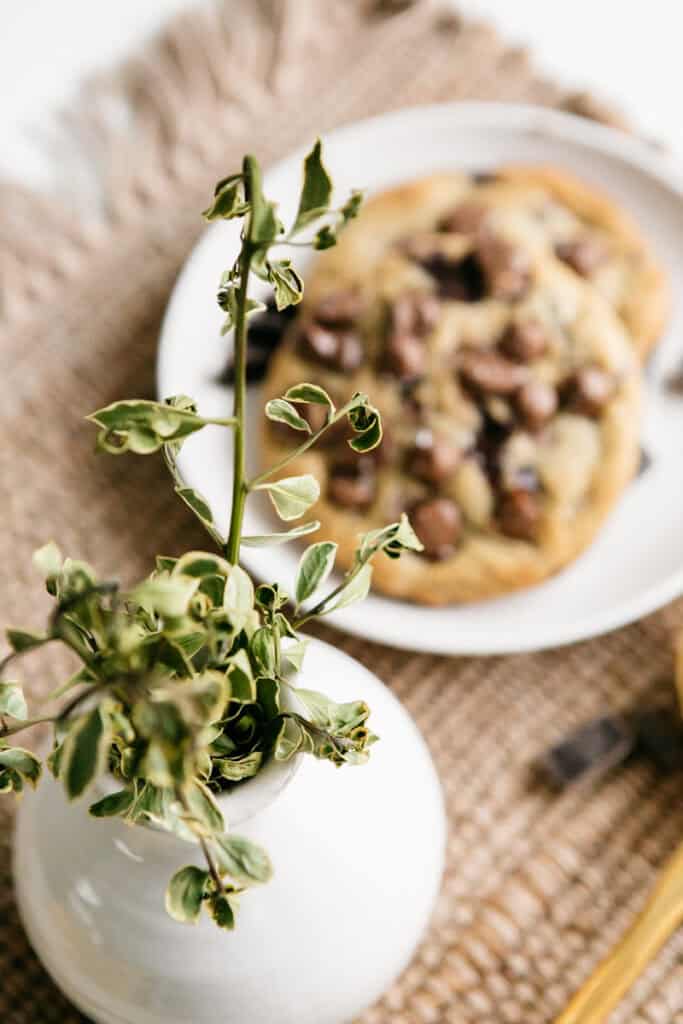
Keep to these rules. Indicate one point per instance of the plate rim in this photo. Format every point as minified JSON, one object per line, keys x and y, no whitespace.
{"x":667,"y":171}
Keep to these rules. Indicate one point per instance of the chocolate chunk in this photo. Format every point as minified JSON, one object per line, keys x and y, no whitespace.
{"x":644,"y":463}
{"x":488,"y":447}
{"x":264,"y":334}
{"x":352,"y":484}
{"x":594,"y":749}
{"x":460,"y":280}
{"x":484,"y":177}
{"x":339,"y":309}
{"x":406,"y":356}
{"x":487,"y":371}
{"x":415,"y":313}
{"x":339,"y":350}
{"x":584,"y":255}
{"x":438,"y":524}
{"x":319,"y":343}
{"x":674,"y":381}
{"x":466,"y":219}
{"x":524,"y":341}
{"x":536,"y":402}
{"x":659,"y":733}
{"x":434,"y":458}
{"x":589,"y":390}
{"x":351,"y":352}
{"x":411,"y":317}
{"x":506,"y":268}
{"x":519,"y":514}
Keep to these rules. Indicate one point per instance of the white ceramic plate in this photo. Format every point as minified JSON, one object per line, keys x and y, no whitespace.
{"x":636,"y":564}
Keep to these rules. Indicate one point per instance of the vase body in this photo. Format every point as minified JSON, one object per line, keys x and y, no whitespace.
{"x":357,"y":856}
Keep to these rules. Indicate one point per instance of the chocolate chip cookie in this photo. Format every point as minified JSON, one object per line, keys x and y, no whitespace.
{"x":508,"y":385}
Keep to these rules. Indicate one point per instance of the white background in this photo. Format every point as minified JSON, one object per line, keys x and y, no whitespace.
{"x":628,"y":52}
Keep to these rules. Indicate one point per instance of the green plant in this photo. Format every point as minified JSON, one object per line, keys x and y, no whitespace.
{"x":182,"y":688}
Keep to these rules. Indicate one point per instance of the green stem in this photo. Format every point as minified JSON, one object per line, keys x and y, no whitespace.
{"x":253,"y":195}
{"x":308,"y":443}
{"x":204,"y":846}
{"x":228,"y":421}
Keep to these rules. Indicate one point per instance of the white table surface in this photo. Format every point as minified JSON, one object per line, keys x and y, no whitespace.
{"x":627,"y":52}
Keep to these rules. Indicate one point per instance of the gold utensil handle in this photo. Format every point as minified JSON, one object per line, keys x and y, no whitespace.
{"x":660,"y":917}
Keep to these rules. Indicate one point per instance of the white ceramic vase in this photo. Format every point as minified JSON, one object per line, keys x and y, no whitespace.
{"x":357,"y":855}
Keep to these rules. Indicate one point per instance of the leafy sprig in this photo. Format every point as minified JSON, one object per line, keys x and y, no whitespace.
{"x":186,"y":684}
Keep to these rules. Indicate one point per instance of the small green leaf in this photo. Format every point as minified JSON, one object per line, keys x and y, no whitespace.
{"x":13,"y":702}
{"x":404,"y":539}
{"x":265,"y":223}
{"x":268,"y":695}
{"x":294,"y":654}
{"x":341,"y":719}
{"x":222,"y":908}
{"x":22,"y":763}
{"x":316,"y":189}
{"x":287,"y":283}
{"x":351,"y":207}
{"x":236,"y":769}
{"x":269,"y":596}
{"x":262,"y":650}
{"x":113,"y":805}
{"x":393,"y":540}
{"x":289,"y":740}
{"x":164,"y":563}
{"x":310,"y":394}
{"x":166,"y":596}
{"x":199,"y":564}
{"x":238,"y":598}
{"x":280,"y":411}
{"x":242,"y":860}
{"x":355,"y":590}
{"x":185,"y":894}
{"x":199,"y":505}
{"x":293,"y":495}
{"x":85,"y":752}
{"x":228,"y":200}
{"x":227,"y":300}
{"x":281,"y":538}
{"x":206,"y":814}
{"x":315,"y":566}
{"x":143,"y":426}
{"x":366,"y":423}
{"x":20,"y":640}
{"x":241,"y":678}
{"x":326,"y":238}
{"x":49,"y":560}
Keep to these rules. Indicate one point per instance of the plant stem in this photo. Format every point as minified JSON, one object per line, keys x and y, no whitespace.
{"x":228,"y":421}
{"x":12,"y":730}
{"x":204,"y":846}
{"x":253,"y":195}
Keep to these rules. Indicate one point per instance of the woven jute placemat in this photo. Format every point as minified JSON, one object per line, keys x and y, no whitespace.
{"x":537,"y":886}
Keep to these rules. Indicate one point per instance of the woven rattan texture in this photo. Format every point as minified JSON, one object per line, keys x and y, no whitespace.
{"x":537,"y":886}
